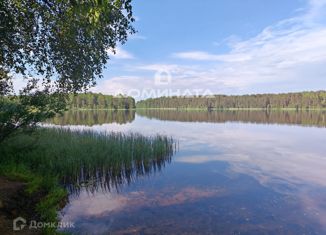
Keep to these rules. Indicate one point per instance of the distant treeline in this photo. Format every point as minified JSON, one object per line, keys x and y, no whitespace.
{"x":100,"y":101}
{"x":300,"y":100}
{"x":303,"y":118}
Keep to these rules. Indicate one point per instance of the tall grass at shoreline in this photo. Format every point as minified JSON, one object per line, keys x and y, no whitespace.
{"x":57,"y":161}
{"x":79,"y":157}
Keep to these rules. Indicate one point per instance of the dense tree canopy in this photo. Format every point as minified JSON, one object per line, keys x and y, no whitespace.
{"x":63,"y":39}
{"x":57,"y":46}
{"x":300,"y":100}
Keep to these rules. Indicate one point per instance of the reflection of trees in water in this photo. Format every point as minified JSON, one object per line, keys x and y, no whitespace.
{"x":106,"y":179}
{"x":94,"y":117}
{"x":311,"y":118}
{"x":145,"y":156}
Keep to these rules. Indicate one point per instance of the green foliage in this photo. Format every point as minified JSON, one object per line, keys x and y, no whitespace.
{"x":61,"y":45}
{"x":26,"y":110}
{"x":298,"y":101}
{"x":6,"y":86}
{"x":47,"y":188}
{"x":99,"y":101}
{"x":62,"y":39}
{"x":47,"y":208}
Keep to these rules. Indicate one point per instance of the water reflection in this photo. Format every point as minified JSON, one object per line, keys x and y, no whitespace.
{"x":136,"y":157}
{"x":94,"y":117}
{"x":226,"y":178}
{"x":105,"y":179}
{"x":305,"y":118}
{"x":100,"y":117}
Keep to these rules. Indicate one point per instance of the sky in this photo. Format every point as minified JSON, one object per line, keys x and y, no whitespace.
{"x":188,"y":47}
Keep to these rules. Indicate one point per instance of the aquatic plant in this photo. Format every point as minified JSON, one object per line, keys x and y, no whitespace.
{"x":84,"y":158}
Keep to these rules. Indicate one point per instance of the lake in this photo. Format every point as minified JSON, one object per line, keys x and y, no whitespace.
{"x":233,"y":172}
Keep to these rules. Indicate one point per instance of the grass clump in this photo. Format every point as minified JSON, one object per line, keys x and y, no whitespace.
{"x":58,"y":161}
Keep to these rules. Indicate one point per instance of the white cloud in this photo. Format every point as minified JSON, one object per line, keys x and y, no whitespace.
{"x":137,"y":18}
{"x":172,"y":68}
{"x":287,"y":56}
{"x":120,"y":54}
{"x":316,"y":11}
{"x":201,"y":55}
{"x":137,"y":37}
{"x":118,"y":85}
{"x":155,"y":67}
{"x":229,"y":41}
{"x":279,"y":53}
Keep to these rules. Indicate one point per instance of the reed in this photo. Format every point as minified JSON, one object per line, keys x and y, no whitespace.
{"x":84,"y":158}
{"x":55,"y":162}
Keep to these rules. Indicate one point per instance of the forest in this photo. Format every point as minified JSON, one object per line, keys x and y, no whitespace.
{"x":288,"y":117}
{"x":100,"y":101}
{"x":298,"y":101}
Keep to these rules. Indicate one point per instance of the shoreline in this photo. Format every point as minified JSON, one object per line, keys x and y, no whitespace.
{"x":208,"y":110}
{"x":16,"y":201}
{"x":43,"y":164}
{"x":233,"y":109}
{"x":23,"y":195}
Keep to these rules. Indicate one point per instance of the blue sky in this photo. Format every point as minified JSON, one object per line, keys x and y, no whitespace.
{"x":224,"y":47}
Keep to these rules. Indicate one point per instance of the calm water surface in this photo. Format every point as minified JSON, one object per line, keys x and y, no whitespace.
{"x":233,"y":173}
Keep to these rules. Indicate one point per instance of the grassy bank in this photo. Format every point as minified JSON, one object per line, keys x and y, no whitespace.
{"x":56,"y":162}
